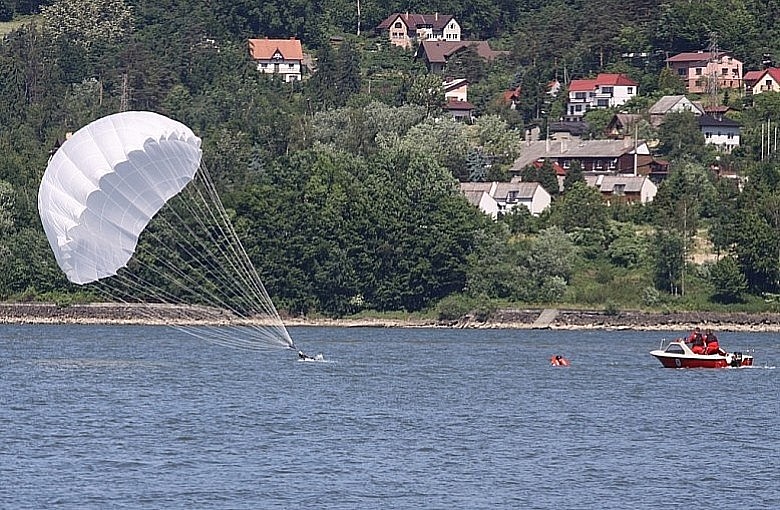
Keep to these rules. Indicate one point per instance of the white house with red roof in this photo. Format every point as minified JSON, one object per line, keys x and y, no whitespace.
{"x":283,"y":57}
{"x":403,"y":29}
{"x":702,"y":70}
{"x":605,"y":91}
{"x":766,"y":80}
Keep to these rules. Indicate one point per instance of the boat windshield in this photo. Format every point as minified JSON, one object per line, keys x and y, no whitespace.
{"x":675,"y":349}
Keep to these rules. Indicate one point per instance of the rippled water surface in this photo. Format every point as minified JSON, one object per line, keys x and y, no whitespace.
{"x":145,"y":417}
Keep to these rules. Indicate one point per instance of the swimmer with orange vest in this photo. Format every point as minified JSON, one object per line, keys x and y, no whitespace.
{"x":559,"y":361}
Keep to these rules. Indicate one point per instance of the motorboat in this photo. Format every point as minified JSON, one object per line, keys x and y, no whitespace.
{"x":678,"y":354}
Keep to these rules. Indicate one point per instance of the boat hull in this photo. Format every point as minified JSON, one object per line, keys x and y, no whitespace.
{"x":702,"y":361}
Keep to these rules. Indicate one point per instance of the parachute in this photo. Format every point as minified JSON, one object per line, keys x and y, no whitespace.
{"x":129,"y":209}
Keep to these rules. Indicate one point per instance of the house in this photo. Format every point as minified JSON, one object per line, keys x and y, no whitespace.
{"x":767,"y":80}
{"x":456,"y":89}
{"x":667,"y":104}
{"x":625,"y":156}
{"x":720,"y":131}
{"x":404,"y":29}
{"x":460,"y":110}
{"x":623,"y":189}
{"x":506,"y":196}
{"x":283,"y":57}
{"x":605,"y":91}
{"x":704,"y":71}
{"x":436,"y":54}
{"x":622,"y":125}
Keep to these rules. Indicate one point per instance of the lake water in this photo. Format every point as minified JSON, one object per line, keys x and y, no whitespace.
{"x":146,"y":417}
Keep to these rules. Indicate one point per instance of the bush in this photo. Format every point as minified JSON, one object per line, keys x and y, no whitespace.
{"x":453,"y":307}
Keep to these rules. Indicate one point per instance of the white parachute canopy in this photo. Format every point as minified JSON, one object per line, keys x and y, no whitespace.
{"x":128,"y":207}
{"x":106,"y":182}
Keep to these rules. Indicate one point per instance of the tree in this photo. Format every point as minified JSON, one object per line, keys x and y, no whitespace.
{"x":669,"y":261}
{"x":680,"y":136}
{"x":427,"y":90}
{"x":6,"y":10}
{"x":467,"y":63}
{"x":581,"y":207}
{"x":670,"y":83}
{"x":573,"y":175}
{"x":727,"y":281}
{"x":543,"y":174}
{"x":348,"y":61}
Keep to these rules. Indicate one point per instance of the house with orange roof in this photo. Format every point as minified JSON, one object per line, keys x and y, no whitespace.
{"x":766,"y":80}
{"x":605,"y":91}
{"x":703,"y":70}
{"x":283,"y":57}
{"x":404,"y":29}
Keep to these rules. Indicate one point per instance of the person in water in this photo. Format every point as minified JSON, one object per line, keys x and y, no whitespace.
{"x":303,"y":356}
{"x":559,"y":361}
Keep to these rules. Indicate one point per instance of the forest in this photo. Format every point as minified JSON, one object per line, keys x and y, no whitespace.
{"x":344,"y":186}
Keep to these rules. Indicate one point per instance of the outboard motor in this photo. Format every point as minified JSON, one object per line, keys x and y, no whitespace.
{"x":736,"y":359}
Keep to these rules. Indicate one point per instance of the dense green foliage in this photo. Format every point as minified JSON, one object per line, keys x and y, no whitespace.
{"x":344,"y":185}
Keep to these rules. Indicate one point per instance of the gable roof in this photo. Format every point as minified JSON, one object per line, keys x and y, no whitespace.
{"x":753,"y":77}
{"x":265,"y":49}
{"x":602,"y":80}
{"x":607,"y":183}
{"x":615,"y":79}
{"x":666,"y":103}
{"x":698,"y":57}
{"x":456,"y":105}
{"x":710,"y":121}
{"x":500,"y":190}
{"x":453,"y":84}
{"x":533,"y":151}
{"x":412,"y":20}
{"x":439,"y":51}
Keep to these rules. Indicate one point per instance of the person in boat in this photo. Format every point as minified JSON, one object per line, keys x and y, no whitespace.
{"x":559,"y":361}
{"x":696,"y":339}
{"x":713,"y":347}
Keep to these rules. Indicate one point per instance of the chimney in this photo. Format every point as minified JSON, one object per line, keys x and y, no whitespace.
{"x":436,"y":16}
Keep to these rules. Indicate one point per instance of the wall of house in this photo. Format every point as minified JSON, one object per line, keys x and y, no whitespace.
{"x":766,"y":84}
{"x":725,"y":139}
{"x":290,"y":70}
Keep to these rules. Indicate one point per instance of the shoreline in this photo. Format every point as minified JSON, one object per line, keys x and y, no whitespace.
{"x":557,"y":319}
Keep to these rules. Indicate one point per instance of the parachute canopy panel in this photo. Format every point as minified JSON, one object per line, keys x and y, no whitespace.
{"x":106,"y":182}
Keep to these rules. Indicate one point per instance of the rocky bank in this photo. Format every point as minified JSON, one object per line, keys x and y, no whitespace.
{"x":103,"y":313}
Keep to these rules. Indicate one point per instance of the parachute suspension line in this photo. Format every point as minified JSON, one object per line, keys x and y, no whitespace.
{"x":216,"y":269}
{"x":202,"y":208}
{"x":243,"y":257}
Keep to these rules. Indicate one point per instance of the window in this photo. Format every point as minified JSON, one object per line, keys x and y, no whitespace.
{"x":707,"y":134}
{"x":768,"y":83}
{"x":291,"y":66}
{"x":724,"y":71}
{"x":606,"y":90}
{"x":579,"y":95}
{"x":698,"y":71}
{"x":675,"y":349}
{"x":578,"y":108}
{"x":397,"y":24}
{"x":263,"y":65}
{"x":682,"y":71}
{"x":602,"y":103}
{"x":619,"y":190}
{"x":630,"y":90}
{"x":730,"y":136}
